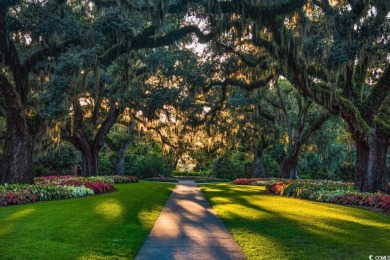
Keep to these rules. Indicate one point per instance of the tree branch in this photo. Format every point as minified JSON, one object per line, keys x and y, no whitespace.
{"x":146,"y":40}
{"x":377,"y":96}
{"x":110,"y":120}
{"x":39,"y":56}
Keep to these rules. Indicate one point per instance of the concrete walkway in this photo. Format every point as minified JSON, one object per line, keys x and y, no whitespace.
{"x":188,"y":228}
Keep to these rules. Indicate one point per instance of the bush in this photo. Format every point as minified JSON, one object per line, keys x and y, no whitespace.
{"x":11,"y":194}
{"x":378,"y":200}
{"x":191,"y":174}
{"x":17,"y":197}
{"x":271,"y":166}
{"x":59,"y":187}
{"x":256,"y":181}
{"x":211,"y":179}
{"x":146,"y":166}
{"x":330,"y":191}
{"x":162,"y":179}
{"x":231,"y":166}
{"x":61,"y":161}
{"x":245,"y":181}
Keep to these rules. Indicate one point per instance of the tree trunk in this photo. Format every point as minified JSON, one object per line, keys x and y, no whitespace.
{"x":362,"y":150}
{"x":294,"y":172}
{"x":289,"y":167}
{"x":90,"y":163}
{"x":17,"y":163}
{"x":120,"y":165}
{"x":370,"y":168}
{"x":258,"y":164}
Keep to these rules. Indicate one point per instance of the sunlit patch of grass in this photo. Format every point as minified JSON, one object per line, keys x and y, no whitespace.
{"x":110,"y":209}
{"x":108,"y":226}
{"x":20,"y":214}
{"x":272,"y":227}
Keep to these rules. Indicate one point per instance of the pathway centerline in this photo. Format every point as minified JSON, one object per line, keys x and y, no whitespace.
{"x":188,"y":228}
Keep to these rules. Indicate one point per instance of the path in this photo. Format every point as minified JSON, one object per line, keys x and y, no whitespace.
{"x":188,"y":228}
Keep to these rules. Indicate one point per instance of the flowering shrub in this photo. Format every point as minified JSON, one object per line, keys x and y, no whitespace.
{"x":59,"y":187}
{"x":256,"y":181}
{"x":124,"y":179}
{"x":378,"y":200}
{"x":79,"y":191}
{"x":114,"y":179}
{"x":60,"y":180}
{"x":245,"y":181}
{"x":96,"y":186}
{"x":330,"y":191}
{"x":275,"y":187}
{"x":12,"y":194}
{"x":99,"y":186}
{"x":385,"y":204}
{"x":17,"y":197}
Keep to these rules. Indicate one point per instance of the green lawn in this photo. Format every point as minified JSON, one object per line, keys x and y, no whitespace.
{"x":267,"y":226}
{"x":109,"y":226}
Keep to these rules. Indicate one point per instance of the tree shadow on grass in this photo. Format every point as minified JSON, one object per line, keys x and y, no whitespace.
{"x":269,"y":227}
{"x":112,"y":225}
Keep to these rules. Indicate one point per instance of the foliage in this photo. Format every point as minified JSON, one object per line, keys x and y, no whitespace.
{"x":245,"y":181}
{"x":145,"y":160}
{"x":60,"y":160}
{"x":329,"y":191}
{"x":191,"y":174}
{"x":378,"y":200}
{"x":97,"y":186}
{"x":231,"y":166}
{"x":149,"y":165}
{"x":16,"y":197}
{"x":106,"y":161}
{"x":327,"y":150}
{"x":210,"y":179}
{"x":112,"y":225}
{"x":24,"y":193}
{"x":271,"y":166}
{"x":122,"y":179}
{"x":161,"y":179}
{"x":59,"y":187}
{"x":255,"y":181}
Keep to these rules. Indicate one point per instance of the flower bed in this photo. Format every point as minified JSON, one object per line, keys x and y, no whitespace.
{"x":330,"y":191}
{"x":255,"y":181}
{"x":15,"y":194}
{"x":245,"y":181}
{"x":59,"y":187}
{"x":57,"y":180}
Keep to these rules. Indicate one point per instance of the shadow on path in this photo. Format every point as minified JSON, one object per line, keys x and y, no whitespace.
{"x":188,"y":228}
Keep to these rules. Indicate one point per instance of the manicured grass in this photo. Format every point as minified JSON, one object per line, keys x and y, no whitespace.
{"x":108,"y":226}
{"x":273,"y":227}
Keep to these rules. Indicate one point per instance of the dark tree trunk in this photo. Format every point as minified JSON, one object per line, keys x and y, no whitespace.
{"x":90,"y":163}
{"x":17,"y":163}
{"x":294,"y":172}
{"x":362,"y":150}
{"x":120,"y":165}
{"x":289,"y":168}
{"x":258,"y":171}
{"x":370,"y":168}
{"x":258,"y":164}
